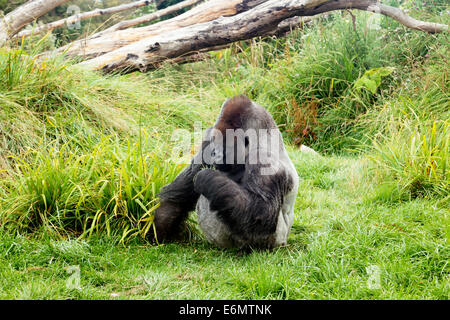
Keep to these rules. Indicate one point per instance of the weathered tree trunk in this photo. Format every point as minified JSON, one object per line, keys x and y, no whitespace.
{"x":403,"y":18}
{"x":82,"y":16}
{"x":14,"y":21}
{"x":290,"y":24}
{"x":261,"y":20}
{"x":102,"y":43}
{"x":283,"y":27}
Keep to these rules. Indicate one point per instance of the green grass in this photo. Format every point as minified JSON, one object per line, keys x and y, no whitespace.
{"x":82,"y":157}
{"x":107,"y":190}
{"x":338,"y":233}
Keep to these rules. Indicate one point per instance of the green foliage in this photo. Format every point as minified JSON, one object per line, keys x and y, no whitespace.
{"x":36,"y":82}
{"x":371,"y":79}
{"x":107,"y":189}
{"x":409,"y":133}
{"x":83,"y":155}
{"x":433,"y":6}
{"x":416,"y":157}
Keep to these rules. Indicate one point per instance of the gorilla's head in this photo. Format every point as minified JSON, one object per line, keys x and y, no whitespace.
{"x":242,"y":113}
{"x":236,"y":130}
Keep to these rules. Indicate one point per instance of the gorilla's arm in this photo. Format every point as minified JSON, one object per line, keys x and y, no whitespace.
{"x":249,"y":209}
{"x":223,"y":194}
{"x":177,"y":199}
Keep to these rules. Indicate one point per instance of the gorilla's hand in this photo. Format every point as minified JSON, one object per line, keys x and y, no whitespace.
{"x":223,"y":194}
{"x":203,"y":179}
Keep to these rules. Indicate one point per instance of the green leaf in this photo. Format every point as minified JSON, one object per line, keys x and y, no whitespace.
{"x":371,"y":79}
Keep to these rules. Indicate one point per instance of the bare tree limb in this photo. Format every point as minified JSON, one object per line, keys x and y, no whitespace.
{"x":403,"y":18}
{"x":101,"y":43}
{"x":149,"y":17}
{"x":262,"y":19}
{"x":83,"y":16}
{"x":17,"y":19}
{"x":289,"y":25}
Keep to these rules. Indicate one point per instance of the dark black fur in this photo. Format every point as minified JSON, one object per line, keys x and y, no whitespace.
{"x":176,"y":201}
{"x":246,"y":201}
{"x":249,"y":207}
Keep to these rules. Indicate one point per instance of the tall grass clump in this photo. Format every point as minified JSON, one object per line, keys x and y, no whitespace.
{"x":84,"y":153}
{"x":41,"y":101}
{"x":408,"y":134}
{"x":22,"y":73}
{"x":111,"y":189}
{"x":415,"y":157}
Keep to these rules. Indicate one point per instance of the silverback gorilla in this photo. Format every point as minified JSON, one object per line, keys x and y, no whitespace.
{"x":242,"y":183}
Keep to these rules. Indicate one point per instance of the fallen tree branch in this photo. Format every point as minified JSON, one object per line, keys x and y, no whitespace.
{"x":284,"y":27}
{"x":149,"y":17}
{"x":83,"y":16}
{"x":264,"y":18}
{"x":101,"y":43}
{"x":403,"y":18}
{"x":17,"y":19}
{"x":290,"y":24}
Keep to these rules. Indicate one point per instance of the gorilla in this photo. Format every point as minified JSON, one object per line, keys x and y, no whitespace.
{"x":241,"y":183}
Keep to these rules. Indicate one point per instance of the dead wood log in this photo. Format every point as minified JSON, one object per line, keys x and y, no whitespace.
{"x":262,"y":19}
{"x":122,"y":25}
{"x":104,"y":42}
{"x":284,"y":27}
{"x":17,"y":19}
{"x":83,"y":16}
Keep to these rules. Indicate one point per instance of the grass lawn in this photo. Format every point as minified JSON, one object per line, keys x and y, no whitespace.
{"x":83,"y":156}
{"x":348,"y":242}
